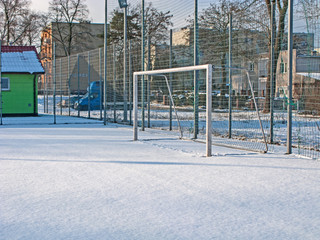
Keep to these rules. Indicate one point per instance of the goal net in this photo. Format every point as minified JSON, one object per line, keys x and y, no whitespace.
{"x":208,"y":70}
{"x":214,"y":116}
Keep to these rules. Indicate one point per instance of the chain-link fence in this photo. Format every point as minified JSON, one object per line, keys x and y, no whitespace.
{"x":250,"y":76}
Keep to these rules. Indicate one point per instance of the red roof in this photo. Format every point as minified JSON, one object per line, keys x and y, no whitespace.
{"x":18,"y":48}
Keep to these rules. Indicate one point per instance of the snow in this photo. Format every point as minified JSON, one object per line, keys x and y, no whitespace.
{"x":21,"y":62}
{"x":90,"y":181}
{"x":246,"y":131}
{"x":312,"y":75}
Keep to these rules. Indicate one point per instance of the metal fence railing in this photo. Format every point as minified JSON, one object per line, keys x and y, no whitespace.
{"x":250,"y":97}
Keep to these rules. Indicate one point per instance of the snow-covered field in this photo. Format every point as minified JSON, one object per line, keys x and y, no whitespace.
{"x":90,"y":181}
{"x":246,"y":131}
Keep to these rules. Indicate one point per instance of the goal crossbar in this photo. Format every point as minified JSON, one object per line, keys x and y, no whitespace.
{"x":208,"y":68}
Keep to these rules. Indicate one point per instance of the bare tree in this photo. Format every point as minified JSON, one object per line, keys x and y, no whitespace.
{"x":214,"y":22}
{"x":65,"y":16}
{"x":14,"y":22}
{"x":310,"y":11}
{"x":156,"y":24}
{"x":33,"y":22}
{"x":282,"y":7}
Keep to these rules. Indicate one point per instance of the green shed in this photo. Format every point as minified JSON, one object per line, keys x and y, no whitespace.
{"x":20,"y":66}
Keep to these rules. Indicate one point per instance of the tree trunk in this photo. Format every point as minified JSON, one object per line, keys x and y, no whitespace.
{"x":277,"y":48}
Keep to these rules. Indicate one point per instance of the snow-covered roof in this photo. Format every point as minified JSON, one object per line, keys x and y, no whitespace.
{"x":20,"y":60}
{"x":311,"y":75}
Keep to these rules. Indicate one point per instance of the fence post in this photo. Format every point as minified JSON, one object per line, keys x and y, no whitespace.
{"x":125,"y":103}
{"x":130,"y":83}
{"x":142,"y":64}
{"x":54,"y":84}
{"x":48,"y":76}
{"x":196,"y":73}
{"x":78,"y":78}
{"x":170,"y":80}
{"x":100,"y":80}
{"x":1,"y":123}
{"x":114,"y":85}
{"x":148,"y":81}
{"x":45,"y":87}
{"x":272,"y":70}
{"x":290,"y":47}
{"x":230,"y":75}
{"x":135,"y":107}
{"x":60,"y":76}
{"x":89,"y":90}
{"x":105,"y":63}
{"x":69,"y":90}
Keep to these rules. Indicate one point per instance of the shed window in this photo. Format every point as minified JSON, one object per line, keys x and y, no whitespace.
{"x":5,"y":84}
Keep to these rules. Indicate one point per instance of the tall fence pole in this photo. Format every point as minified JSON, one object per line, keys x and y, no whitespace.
{"x":100,"y":81}
{"x":78,"y":80}
{"x":89,"y":90}
{"x":69,"y":90}
{"x":54,"y":84}
{"x":230,"y":75}
{"x":44,"y":87}
{"x":60,"y":77}
{"x":1,"y":123}
{"x":272,"y":69}
{"x":196,"y":73}
{"x":114,"y":87}
{"x":290,"y":47}
{"x":105,"y":63}
{"x":47,"y":83}
{"x":125,"y":103}
{"x":142,"y":63}
{"x":170,"y":80}
{"x":130,"y":83}
{"x":148,"y":80}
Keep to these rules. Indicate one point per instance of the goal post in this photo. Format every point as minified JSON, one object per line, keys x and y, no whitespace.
{"x":208,"y":68}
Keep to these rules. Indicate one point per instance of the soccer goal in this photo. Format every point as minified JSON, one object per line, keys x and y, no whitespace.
{"x":207,"y":68}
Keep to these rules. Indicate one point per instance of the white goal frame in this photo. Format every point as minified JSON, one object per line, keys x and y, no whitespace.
{"x":208,"y":68}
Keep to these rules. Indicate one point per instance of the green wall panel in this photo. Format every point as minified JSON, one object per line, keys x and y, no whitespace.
{"x":20,"y":98}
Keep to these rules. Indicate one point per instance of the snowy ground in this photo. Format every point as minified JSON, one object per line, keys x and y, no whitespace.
{"x":245,"y":126}
{"x":90,"y":181}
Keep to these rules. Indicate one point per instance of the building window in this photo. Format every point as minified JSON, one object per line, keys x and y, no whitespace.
{"x":251,"y":66}
{"x":5,"y":84}
{"x":283,"y":67}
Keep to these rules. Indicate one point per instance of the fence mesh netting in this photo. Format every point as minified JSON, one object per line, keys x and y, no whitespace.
{"x":250,"y":97}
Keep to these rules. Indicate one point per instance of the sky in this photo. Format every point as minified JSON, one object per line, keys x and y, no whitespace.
{"x":96,"y":9}
{"x":180,"y":9}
